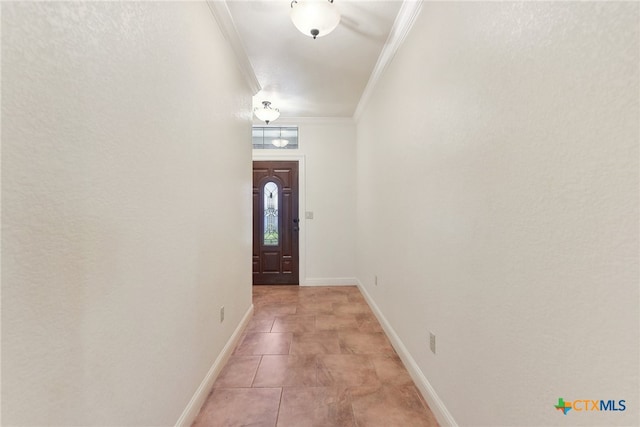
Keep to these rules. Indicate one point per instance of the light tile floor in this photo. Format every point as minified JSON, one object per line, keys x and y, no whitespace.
{"x":314,"y":356}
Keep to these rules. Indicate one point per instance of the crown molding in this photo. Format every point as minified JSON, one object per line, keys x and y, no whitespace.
{"x":294,"y":121}
{"x":222,"y":15}
{"x":407,"y":15}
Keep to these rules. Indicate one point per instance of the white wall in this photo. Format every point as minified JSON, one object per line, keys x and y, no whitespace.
{"x":327,"y":189}
{"x":126,"y":190}
{"x":497,"y":183}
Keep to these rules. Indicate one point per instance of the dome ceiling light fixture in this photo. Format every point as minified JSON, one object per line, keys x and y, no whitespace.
{"x":280,"y":143}
{"x":266,"y":113}
{"x":315,"y":18}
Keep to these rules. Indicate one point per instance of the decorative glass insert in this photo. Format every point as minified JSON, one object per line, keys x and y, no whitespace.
{"x":274,"y":138}
{"x":271,"y":214}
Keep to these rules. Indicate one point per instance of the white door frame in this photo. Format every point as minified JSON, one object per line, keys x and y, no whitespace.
{"x":265,"y":155}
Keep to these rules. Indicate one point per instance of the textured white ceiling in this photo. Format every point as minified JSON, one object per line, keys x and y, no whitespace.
{"x":304,"y":77}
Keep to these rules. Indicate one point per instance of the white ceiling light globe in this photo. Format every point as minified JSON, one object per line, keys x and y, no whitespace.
{"x":280,"y":142}
{"x":266,"y":113}
{"x":315,"y":18}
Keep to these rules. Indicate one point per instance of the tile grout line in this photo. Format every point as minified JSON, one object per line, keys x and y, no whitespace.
{"x":353,"y":412}
{"x":279,"y":406}
{"x":255,"y":374}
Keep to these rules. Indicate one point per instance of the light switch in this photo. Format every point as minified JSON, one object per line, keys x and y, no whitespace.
{"x":308,"y":215}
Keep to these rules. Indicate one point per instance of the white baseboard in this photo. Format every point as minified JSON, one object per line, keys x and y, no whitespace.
{"x":330,"y":281}
{"x":438,"y":408}
{"x":193,"y":408}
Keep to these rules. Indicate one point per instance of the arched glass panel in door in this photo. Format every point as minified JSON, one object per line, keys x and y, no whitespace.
{"x":271,"y":231}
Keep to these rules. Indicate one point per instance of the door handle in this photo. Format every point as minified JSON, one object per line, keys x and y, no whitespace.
{"x":296,"y":220}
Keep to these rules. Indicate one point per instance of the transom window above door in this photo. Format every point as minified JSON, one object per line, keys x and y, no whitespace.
{"x":275,"y":138}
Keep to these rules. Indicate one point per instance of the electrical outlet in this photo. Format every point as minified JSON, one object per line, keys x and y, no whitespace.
{"x":375,"y":280}
{"x":432,"y":342}
{"x":222,"y":314}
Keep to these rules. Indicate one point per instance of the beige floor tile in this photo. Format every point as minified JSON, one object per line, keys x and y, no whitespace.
{"x":286,"y":371}
{"x":390,"y":406}
{"x":325,"y":297}
{"x":227,"y":407}
{"x":326,"y":322}
{"x":316,"y":343}
{"x":294,"y":323}
{"x":238,"y":372}
{"x":364,"y":343}
{"x":315,"y":407}
{"x":260,"y":325}
{"x":351,"y":308}
{"x":255,"y":343}
{"x":347,"y":370}
{"x":390,"y":370}
{"x":368,"y":323}
{"x":315,"y":307}
{"x":271,"y":311}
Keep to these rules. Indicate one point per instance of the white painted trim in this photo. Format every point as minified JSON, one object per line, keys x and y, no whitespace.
{"x":407,"y":15}
{"x":193,"y":407}
{"x":1,"y":240}
{"x":223,"y":17}
{"x":438,"y":408}
{"x":262,"y":155}
{"x":330,"y":281}
{"x":293,"y":121}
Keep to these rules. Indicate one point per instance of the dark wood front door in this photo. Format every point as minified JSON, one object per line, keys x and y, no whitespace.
{"x":275,"y":223}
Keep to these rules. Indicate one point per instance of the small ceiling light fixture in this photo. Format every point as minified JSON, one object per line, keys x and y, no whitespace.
{"x":315,"y":18}
{"x":266,"y":113}
{"x":280,"y":143}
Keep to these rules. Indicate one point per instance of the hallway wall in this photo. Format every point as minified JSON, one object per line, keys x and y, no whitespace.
{"x":497,"y":183}
{"x":126,"y":206}
{"x":330,"y":150}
